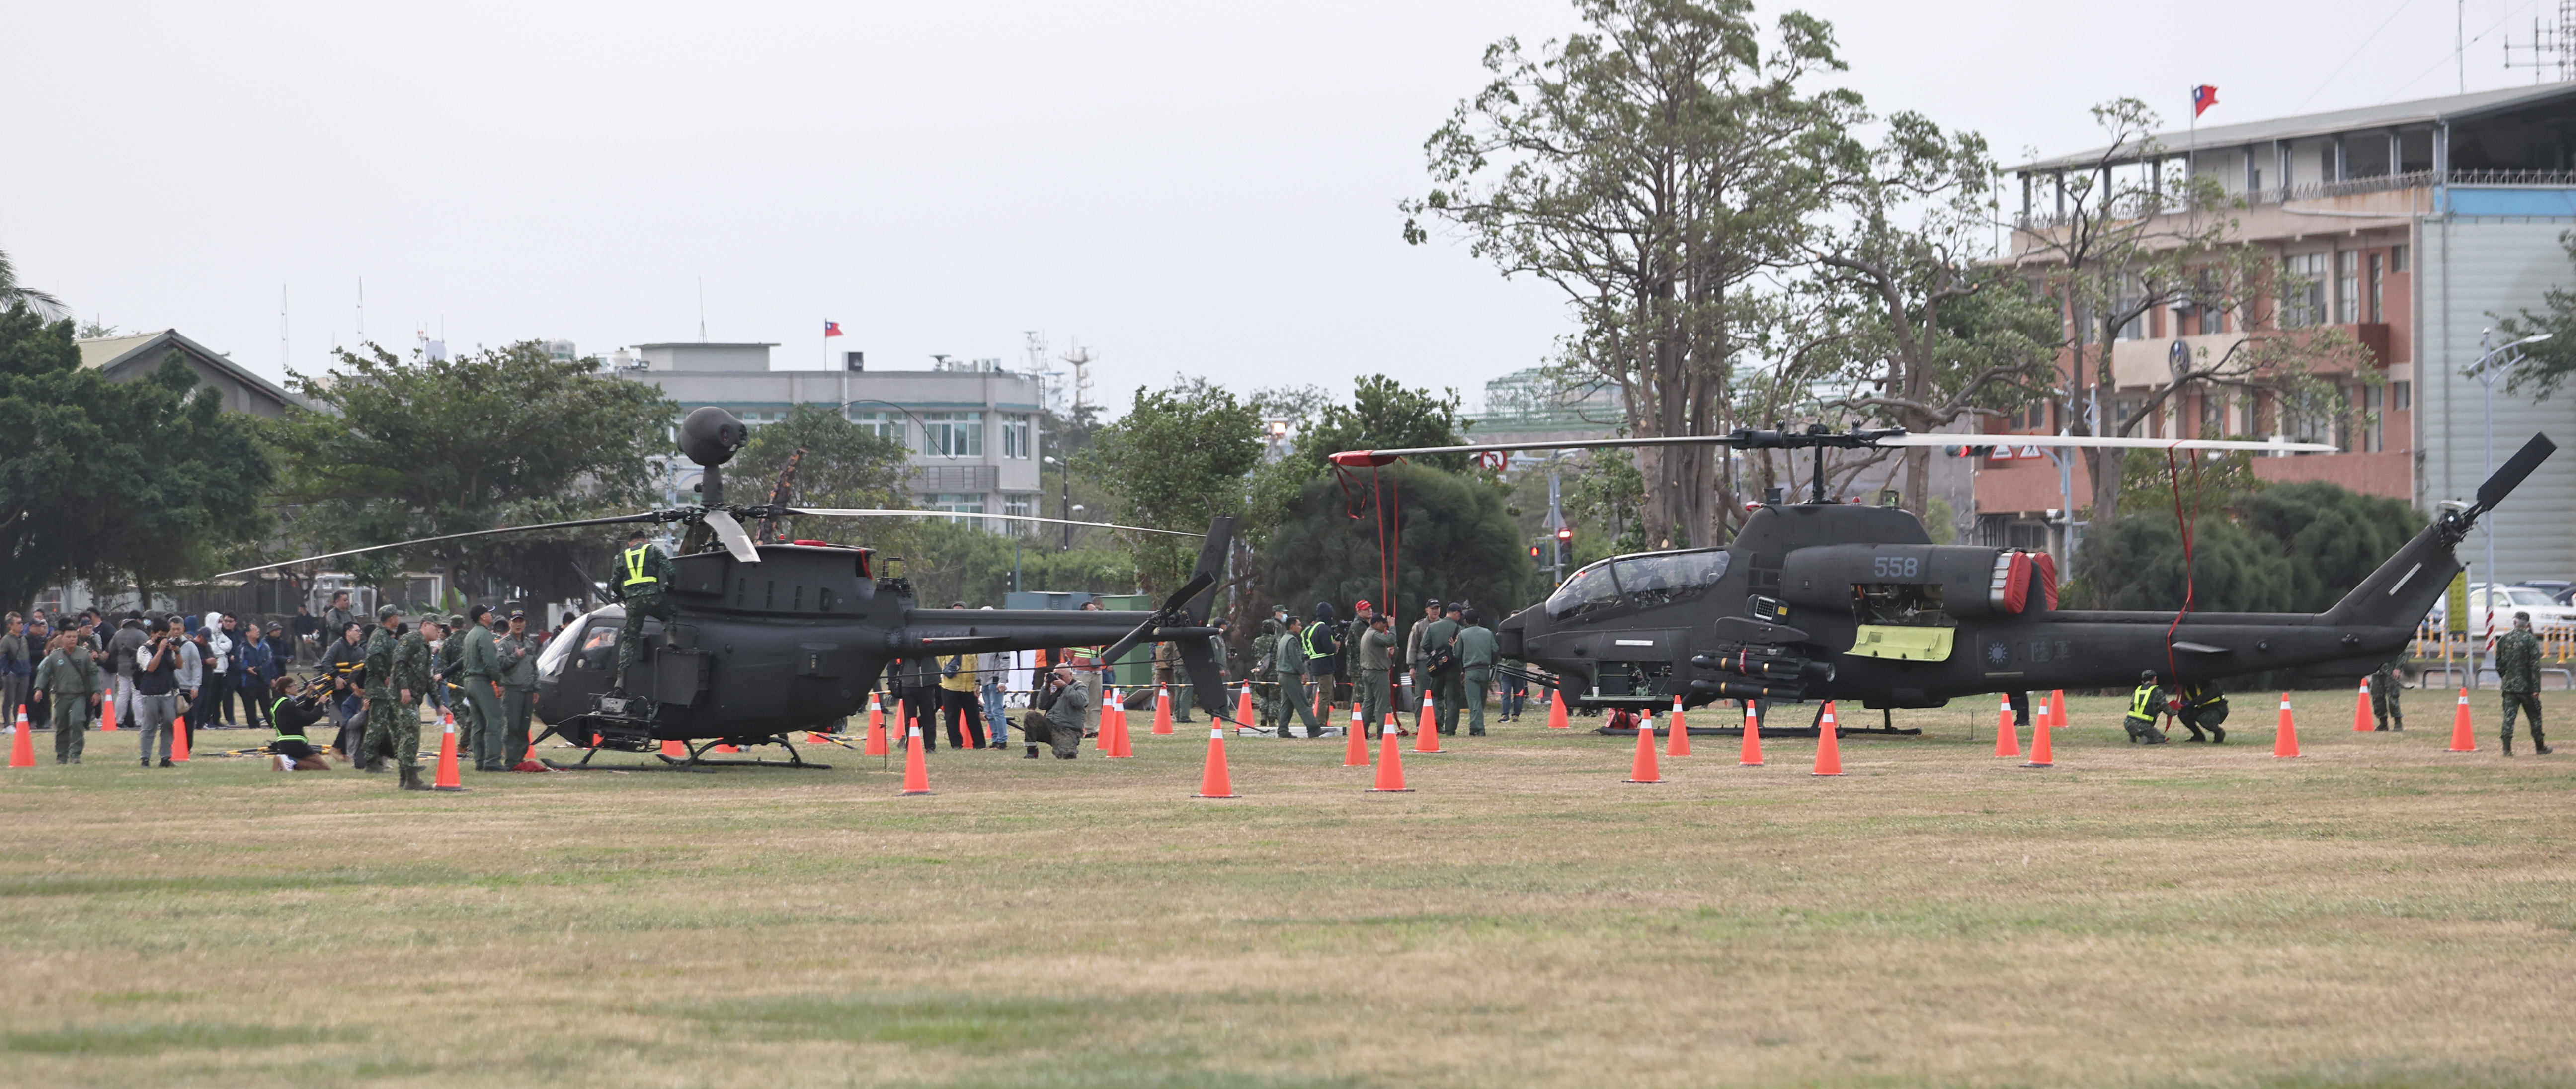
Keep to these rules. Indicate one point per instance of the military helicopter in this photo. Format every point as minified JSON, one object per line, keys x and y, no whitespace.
{"x":772,"y":638}
{"x":1823,"y":600}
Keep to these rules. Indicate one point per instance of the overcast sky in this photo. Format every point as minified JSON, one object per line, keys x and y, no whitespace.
{"x":1183,"y":187}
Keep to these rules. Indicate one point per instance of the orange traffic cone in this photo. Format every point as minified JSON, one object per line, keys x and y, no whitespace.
{"x":2057,"y":709}
{"x":2041,"y":755}
{"x":447,"y":778}
{"x":1216,"y":781}
{"x":916,"y":771}
{"x":2007,"y":736}
{"x":22,"y":743}
{"x":1122,"y":746}
{"x":671,"y":747}
{"x":1677,"y":743}
{"x":1556,"y":709}
{"x":1355,"y":746}
{"x":1426,"y":728}
{"x":1643,"y":770}
{"x":877,"y":743}
{"x":2464,"y":737}
{"x":1829,"y":748}
{"x":179,"y":739}
{"x":1390,"y":761}
{"x":1752,"y":757}
{"x":107,"y":713}
{"x":2285,"y":737}
{"x":1163,"y":709}
{"x":1244,"y":715}
{"x":1111,"y":714}
{"x":2361,"y":720}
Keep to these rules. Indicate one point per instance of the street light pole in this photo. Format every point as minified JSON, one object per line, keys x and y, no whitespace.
{"x":2486,"y":376}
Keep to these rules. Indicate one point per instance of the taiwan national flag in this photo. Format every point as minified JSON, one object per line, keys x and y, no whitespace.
{"x":2202,"y":98}
{"x":831,"y":328}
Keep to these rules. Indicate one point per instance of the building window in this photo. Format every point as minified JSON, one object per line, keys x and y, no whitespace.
{"x":2212,"y":320}
{"x":1021,"y":506}
{"x":953,"y":434}
{"x":2348,"y":286}
{"x":2213,"y":414}
{"x":2397,"y":258}
{"x":2378,"y":286}
{"x":2374,"y":421}
{"x":2303,"y":290}
{"x":1015,"y":436}
{"x":956,"y":503}
{"x":2401,"y":396}
{"x":884,"y":425}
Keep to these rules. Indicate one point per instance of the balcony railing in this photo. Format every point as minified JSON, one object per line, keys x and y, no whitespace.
{"x":2138,"y":205}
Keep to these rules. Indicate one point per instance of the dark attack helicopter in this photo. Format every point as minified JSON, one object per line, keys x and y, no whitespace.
{"x":1823,"y":600}
{"x":773,"y":638}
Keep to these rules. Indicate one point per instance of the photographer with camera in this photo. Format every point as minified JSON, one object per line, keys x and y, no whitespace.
{"x":1066,"y":699}
{"x":291,"y":711}
{"x":157,"y":692}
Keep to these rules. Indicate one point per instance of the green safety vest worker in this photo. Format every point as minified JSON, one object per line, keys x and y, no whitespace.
{"x":2143,"y":703}
{"x":636,"y":575}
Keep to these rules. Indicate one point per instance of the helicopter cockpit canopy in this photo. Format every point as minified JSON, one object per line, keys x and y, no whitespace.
{"x":1643,"y":580}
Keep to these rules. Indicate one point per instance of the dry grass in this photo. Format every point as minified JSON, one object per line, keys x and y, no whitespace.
{"x":2380,"y":913}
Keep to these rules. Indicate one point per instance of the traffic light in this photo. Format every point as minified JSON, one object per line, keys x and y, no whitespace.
{"x":1565,"y":546}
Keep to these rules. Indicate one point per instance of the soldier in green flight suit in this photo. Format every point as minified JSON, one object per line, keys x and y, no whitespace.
{"x":2144,"y":705}
{"x":517,"y":653}
{"x":2517,"y":658}
{"x":1374,"y":649}
{"x":478,"y":667}
{"x":638,"y":580}
{"x":2385,"y":687}
{"x":397,"y":676}
{"x":1265,"y":671}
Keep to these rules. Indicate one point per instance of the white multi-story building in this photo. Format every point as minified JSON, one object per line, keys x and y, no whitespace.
{"x":971,"y":427}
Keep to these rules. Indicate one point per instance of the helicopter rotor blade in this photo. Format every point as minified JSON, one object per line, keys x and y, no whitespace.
{"x":575,"y":524}
{"x":1128,"y":641}
{"x":1206,"y":682}
{"x":819,"y":512}
{"x":2106,"y":442}
{"x":1172,"y":607}
{"x":730,"y":533}
{"x":1188,"y":590}
{"x":2510,"y":475}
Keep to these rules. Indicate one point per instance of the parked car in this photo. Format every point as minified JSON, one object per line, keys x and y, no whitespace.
{"x":2548,"y":616}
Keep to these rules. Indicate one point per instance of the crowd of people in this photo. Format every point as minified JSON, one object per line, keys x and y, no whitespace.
{"x":171,"y":672}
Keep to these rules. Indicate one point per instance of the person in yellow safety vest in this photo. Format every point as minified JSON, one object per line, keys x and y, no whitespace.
{"x":2144,"y":705}
{"x":291,"y":711}
{"x":2199,"y":707}
{"x":638,"y":580}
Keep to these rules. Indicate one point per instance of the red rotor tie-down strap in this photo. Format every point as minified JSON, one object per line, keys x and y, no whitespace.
{"x":2174,"y":474}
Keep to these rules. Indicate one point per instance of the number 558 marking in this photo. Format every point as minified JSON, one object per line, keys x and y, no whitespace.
{"x":1896,"y":567}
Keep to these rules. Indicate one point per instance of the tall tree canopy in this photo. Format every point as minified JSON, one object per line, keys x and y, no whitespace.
{"x":1453,"y":539}
{"x":2286,"y":548}
{"x":1176,"y":460}
{"x":139,"y":482}
{"x":400,"y":449}
{"x":845,"y":465}
{"x":1650,"y":168}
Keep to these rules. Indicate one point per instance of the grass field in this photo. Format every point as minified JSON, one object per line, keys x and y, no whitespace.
{"x":2379,"y":913}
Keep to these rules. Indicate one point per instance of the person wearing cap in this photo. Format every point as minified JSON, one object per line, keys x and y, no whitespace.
{"x":638,"y":582}
{"x":397,"y":676}
{"x":478,"y":667}
{"x":960,"y":705}
{"x":1291,"y":664}
{"x":516,"y":655}
{"x":2517,"y":660}
{"x":1374,"y":651}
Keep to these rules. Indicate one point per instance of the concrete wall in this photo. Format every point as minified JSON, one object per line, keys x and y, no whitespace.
{"x":2470,"y":271}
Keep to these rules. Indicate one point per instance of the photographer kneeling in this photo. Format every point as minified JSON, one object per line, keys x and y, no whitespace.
{"x":292,"y":712}
{"x":1060,"y":721}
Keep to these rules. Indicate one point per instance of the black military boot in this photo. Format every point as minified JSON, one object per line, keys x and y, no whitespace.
{"x":411,"y":780}
{"x":2508,"y":744}
{"x":2218,"y":735}
{"x":1033,"y":753}
{"x":2539,"y":744}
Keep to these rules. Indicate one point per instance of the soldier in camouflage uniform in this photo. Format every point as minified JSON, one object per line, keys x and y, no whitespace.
{"x":2517,"y":658}
{"x":2384,"y":688}
{"x":397,"y":676}
{"x":1173,"y":677}
{"x":1265,"y":672}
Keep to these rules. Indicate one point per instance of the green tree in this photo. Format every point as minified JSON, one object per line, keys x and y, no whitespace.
{"x":2209,"y":485}
{"x":1385,"y":415}
{"x":13,"y":293}
{"x":1651,"y":169}
{"x":845,"y":465}
{"x":957,"y":560}
{"x":1453,"y":539}
{"x":1925,"y":330}
{"x":1176,"y":460}
{"x":2552,"y":360}
{"x":140,"y":482}
{"x":2136,"y":563}
{"x":2334,"y":536}
{"x":395,"y":450}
